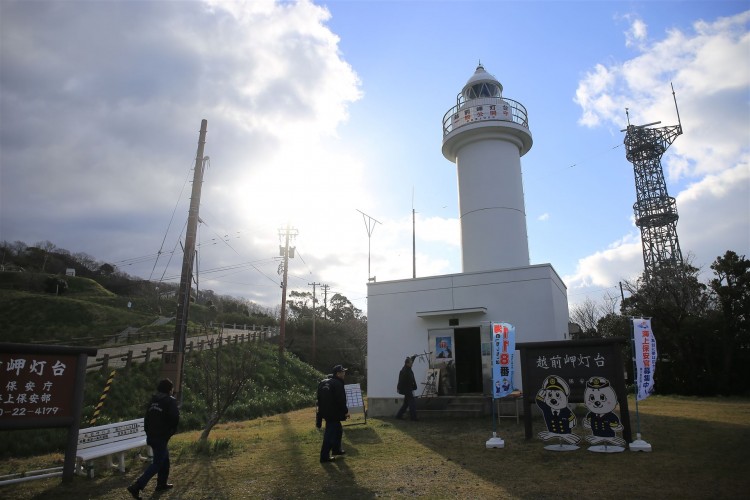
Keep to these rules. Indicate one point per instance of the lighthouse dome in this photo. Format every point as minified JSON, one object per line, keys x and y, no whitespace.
{"x":482,"y":84}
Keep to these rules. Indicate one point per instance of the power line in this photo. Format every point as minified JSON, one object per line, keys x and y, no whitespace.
{"x":171,"y":219}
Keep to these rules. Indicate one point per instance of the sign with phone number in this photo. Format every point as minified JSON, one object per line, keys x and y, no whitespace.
{"x":36,"y":385}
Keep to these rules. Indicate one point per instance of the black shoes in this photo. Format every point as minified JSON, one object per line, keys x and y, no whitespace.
{"x":136,"y":492}
{"x":340,"y":452}
{"x":326,"y":460}
{"x":133,"y":490}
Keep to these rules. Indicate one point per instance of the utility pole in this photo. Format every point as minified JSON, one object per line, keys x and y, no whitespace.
{"x":370,"y":226}
{"x":325,"y":300}
{"x":313,"y":332}
{"x":284,"y":251}
{"x":173,"y":361}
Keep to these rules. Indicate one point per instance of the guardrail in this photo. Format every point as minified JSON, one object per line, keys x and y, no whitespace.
{"x":117,"y":338}
{"x":104,"y":362}
{"x":137,"y":337}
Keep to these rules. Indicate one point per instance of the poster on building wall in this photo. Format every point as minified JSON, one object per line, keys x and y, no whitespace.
{"x":440,"y":344}
{"x":444,"y":348}
{"x":503,"y":347}
{"x":644,"y":347}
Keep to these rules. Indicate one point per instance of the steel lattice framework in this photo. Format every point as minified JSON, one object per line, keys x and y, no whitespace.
{"x":655,"y":211}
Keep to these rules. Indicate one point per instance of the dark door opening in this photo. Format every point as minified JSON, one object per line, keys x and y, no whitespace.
{"x":468,"y":355}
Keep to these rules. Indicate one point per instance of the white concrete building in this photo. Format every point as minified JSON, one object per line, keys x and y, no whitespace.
{"x":449,"y":316}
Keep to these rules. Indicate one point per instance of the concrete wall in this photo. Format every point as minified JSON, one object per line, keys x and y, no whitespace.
{"x":531,"y":298}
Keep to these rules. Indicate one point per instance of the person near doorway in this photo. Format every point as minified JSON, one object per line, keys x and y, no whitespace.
{"x":407,"y":384}
{"x":333,"y":409}
{"x":160,"y":422}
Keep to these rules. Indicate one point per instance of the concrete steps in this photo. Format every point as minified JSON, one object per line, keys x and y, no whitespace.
{"x":453,"y":406}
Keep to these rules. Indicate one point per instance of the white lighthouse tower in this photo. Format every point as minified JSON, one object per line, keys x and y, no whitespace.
{"x":446,"y":319}
{"x":485,"y":136}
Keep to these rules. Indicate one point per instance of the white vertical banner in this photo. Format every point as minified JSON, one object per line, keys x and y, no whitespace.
{"x":644,"y":347}
{"x":503,"y":347}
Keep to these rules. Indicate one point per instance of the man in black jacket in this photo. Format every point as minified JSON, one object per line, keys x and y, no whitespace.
{"x":333,"y":409}
{"x":162,"y":417}
{"x":318,"y":414}
{"x":406,"y":385}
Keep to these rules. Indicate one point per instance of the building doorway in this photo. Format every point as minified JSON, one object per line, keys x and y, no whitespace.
{"x":468,"y":355}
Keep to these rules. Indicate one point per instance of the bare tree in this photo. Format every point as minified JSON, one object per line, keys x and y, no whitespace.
{"x":46,"y":247}
{"x":586,"y":315}
{"x":220,"y":375}
{"x":86,"y":260}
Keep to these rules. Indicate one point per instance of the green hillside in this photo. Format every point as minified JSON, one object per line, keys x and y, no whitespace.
{"x":86,"y":309}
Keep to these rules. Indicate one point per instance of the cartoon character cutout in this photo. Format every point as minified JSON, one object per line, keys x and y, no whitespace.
{"x":552,"y":399}
{"x":600,"y":399}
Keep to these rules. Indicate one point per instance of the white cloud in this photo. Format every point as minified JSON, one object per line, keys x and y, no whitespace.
{"x":711,"y":75}
{"x":543,"y":217}
{"x":592,"y":95}
{"x":104,"y":134}
{"x":637,"y":33}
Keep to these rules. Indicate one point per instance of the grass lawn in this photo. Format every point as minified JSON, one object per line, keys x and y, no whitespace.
{"x":701,"y":449}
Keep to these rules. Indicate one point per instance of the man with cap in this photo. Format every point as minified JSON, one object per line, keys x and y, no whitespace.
{"x":407,"y":384}
{"x":333,"y":409}
{"x":160,"y":422}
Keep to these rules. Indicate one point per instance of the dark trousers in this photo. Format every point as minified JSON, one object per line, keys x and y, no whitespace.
{"x":159,"y":466}
{"x":409,"y":402}
{"x":331,"y":438}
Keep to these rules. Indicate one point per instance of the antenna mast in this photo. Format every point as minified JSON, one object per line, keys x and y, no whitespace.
{"x":655,"y":211}
{"x":370,"y":226}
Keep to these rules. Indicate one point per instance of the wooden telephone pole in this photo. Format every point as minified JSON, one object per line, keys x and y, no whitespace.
{"x":284,"y":251}
{"x":173,"y":361}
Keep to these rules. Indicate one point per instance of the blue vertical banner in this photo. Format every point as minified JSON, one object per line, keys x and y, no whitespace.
{"x":503,"y":348}
{"x":644,"y":347}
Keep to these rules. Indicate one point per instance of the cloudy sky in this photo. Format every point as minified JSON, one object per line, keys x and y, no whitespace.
{"x":318,"y":111}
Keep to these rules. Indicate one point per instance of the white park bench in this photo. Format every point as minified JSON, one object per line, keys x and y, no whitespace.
{"x":106,"y":440}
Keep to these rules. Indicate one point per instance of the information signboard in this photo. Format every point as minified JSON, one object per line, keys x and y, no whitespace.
{"x":575,"y":362}
{"x":354,"y":400}
{"x":42,"y":386}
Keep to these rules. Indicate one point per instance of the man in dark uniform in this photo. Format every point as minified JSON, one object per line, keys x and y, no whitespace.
{"x":160,"y":422}
{"x":318,"y":414}
{"x":406,"y":386}
{"x":333,"y":409}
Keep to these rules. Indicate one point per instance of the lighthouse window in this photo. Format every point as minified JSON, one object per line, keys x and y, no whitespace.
{"x":483,"y":90}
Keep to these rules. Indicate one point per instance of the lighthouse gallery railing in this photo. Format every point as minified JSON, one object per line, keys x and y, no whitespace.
{"x":484,"y":109}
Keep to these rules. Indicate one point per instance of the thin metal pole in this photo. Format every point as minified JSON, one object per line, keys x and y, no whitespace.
{"x":413,"y":243}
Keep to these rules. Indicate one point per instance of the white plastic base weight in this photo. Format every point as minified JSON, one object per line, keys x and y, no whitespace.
{"x":640,"y":445}
{"x":495,"y":442}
